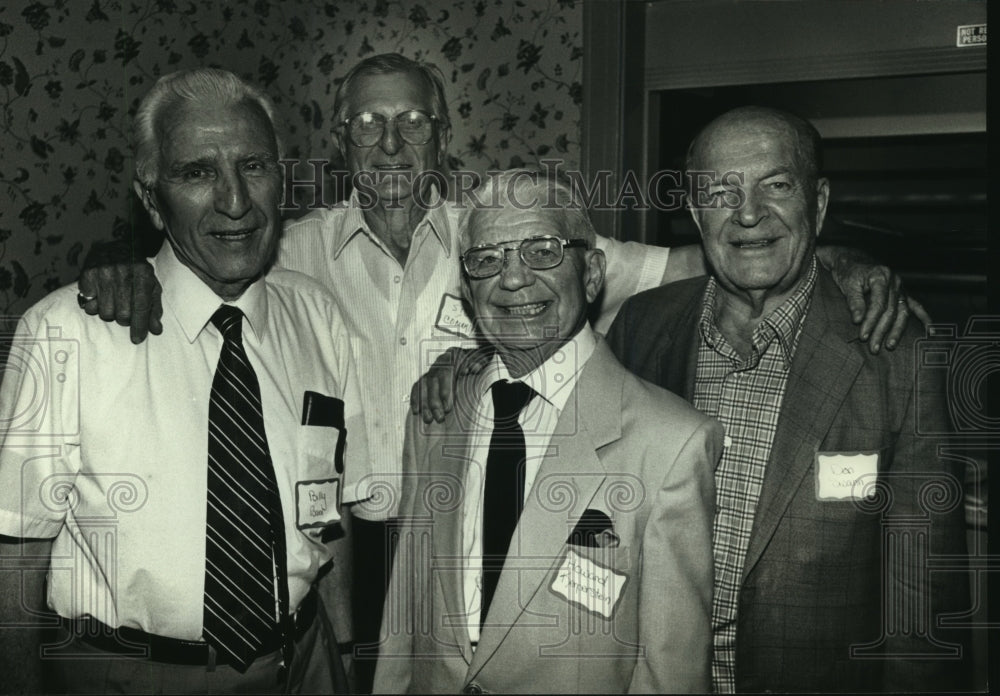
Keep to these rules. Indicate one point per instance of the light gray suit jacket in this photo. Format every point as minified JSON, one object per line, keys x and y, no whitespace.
{"x":623,"y":447}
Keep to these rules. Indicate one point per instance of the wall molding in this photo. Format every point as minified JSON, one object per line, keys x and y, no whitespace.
{"x":811,"y":68}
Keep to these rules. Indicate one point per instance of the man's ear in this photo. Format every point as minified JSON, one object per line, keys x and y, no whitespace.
{"x":595,"y":265}
{"x":338,"y":139}
{"x":822,"y":198}
{"x":148,"y":198}
{"x":466,"y":288}
{"x":444,"y":137}
{"x":692,"y":211}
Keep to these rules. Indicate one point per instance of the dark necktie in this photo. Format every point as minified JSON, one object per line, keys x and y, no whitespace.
{"x":242,"y":540}
{"x":503,"y":492}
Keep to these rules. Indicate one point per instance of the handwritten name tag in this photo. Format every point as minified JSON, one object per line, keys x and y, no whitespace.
{"x":846,"y":475}
{"x":452,"y":317}
{"x":592,"y":586}
{"x":317,"y":503}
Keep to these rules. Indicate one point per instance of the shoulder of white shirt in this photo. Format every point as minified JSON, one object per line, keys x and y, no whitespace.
{"x":58,"y":308}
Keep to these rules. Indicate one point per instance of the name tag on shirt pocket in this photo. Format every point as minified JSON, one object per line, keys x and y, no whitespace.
{"x":326,"y":411}
{"x":846,"y":475}
{"x":452,"y":317}
{"x":317,"y":503}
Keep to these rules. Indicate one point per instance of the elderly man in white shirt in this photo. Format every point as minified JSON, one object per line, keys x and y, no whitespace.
{"x":184,"y":494}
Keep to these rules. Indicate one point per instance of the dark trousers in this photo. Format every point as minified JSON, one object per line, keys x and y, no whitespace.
{"x":374,"y":549}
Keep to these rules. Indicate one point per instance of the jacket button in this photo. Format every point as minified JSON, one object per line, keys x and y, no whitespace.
{"x":472,"y":688}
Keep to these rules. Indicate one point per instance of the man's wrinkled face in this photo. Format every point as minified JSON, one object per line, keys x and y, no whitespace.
{"x":392,"y":166}
{"x":218,"y":191}
{"x":764,"y":245}
{"x":529,"y":312}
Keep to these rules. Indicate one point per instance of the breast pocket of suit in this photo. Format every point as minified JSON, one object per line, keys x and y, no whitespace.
{"x":593,"y":579}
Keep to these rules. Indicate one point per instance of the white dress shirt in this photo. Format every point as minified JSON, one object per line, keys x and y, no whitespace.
{"x":401,"y":318}
{"x":104,"y":444}
{"x":553,"y":382}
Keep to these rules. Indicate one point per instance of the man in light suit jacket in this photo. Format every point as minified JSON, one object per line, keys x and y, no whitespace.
{"x":603,"y":580}
{"x":832,"y":506}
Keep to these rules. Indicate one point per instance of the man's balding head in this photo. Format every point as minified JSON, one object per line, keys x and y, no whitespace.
{"x":807,"y":141}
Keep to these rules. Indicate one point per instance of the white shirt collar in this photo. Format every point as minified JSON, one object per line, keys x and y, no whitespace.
{"x":193,"y":303}
{"x":435,"y":217}
{"x":554,"y":379}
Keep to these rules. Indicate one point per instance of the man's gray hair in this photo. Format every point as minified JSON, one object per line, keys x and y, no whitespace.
{"x":197,"y":85}
{"x":390,"y":64}
{"x":529,"y":188}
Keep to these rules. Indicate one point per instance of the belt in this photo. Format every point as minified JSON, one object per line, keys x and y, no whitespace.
{"x":131,"y":642}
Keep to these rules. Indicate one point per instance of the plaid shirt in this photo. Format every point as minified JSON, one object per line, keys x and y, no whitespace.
{"x":745,"y":394}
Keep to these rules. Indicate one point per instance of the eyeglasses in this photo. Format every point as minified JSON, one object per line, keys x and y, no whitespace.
{"x":537,"y":253}
{"x":414,"y":127}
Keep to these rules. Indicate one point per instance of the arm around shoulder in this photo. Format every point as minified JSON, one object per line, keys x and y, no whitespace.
{"x":631,"y":268}
{"x":686,"y":261}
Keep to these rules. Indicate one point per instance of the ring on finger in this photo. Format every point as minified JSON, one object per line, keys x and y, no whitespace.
{"x":82,"y":299}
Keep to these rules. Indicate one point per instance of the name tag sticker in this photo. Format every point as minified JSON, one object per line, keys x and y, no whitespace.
{"x":452,"y":318}
{"x":846,"y":475}
{"x":588,"y":584}
{"x":317,"y":503}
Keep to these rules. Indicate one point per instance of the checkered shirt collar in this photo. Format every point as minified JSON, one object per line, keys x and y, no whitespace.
{"x":783,"y":323}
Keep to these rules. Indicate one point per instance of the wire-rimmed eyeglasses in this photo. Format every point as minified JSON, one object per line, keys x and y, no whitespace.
{"x":365,"y":129}
{"x":537,"y":253}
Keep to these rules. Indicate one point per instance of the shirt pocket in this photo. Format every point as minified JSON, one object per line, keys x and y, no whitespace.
{"x":323,"y":448}
{"x":319,"y":484}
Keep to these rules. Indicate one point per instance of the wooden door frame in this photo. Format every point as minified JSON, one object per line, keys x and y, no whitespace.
{"x":615,"y":111}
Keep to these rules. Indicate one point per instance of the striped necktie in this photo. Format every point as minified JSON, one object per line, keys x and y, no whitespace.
{"x":243,"y":504}
{"x":503,"y":491}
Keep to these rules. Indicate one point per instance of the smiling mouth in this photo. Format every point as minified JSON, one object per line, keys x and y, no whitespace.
{"x":754,"y":243}
{"x":527,"y":310}
{"x":233,"y":235}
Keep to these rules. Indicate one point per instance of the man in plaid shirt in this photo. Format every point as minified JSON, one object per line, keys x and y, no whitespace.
{"x":824,"y":519}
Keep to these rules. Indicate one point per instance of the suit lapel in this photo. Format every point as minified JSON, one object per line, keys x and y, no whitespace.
{"x":679,"y":351}
{"x":451,"y":458}
{"x":823,"y":370}
{"x":566,"y":483}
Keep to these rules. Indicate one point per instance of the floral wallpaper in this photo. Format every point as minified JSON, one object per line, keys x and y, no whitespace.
{"x":72,"y":71}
